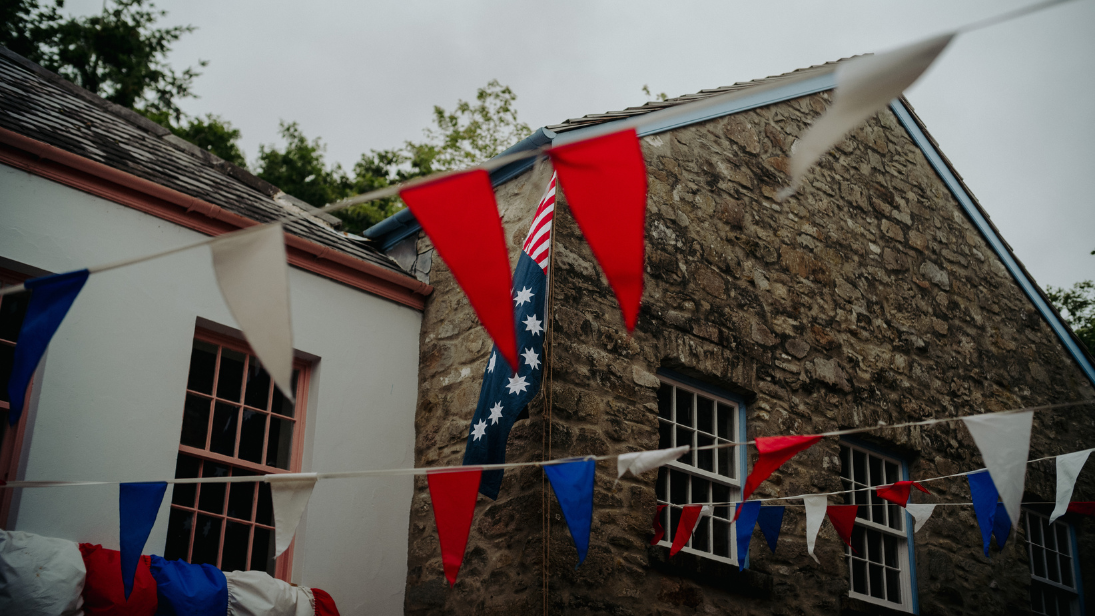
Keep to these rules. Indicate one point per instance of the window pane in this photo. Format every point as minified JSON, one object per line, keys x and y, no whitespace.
{"x":706,"y":457}
{"x":665,"y":401}
{"x":223,"y":438}
{"x":282,"y":405}
{"x":893,"y":585}
{"x":262,"y":551}
{"x":195,"y":425}
{"x":896,"y":516}
{"x":12,"y":310}
{"x":891,"y":474}
{"x":684,"y":408}
{"x":252,"y":435}
{"x":674,"y":520}
{"x":1063,"y":543}
{"x":258,"y":385}
{"x":701,"y":537}
{"x":726,"y":422}
{"x":265,"y":512}
{"x":663,"y":477}
{"x":845,"y":462}
{"x":877,"y":585}
{"x":874,"y":547}
{"x":280,"y":445}
{"x":721,"y":538}
{"x":678,"y":487}
{"x":721,"y":494}
{"x":7,"y":354}
{"x":241,"y":499}
{"x":859,"y":466}
{"x":1037,"y":558}
{"x":186,"y":467}
{"x":211,"y":497}
{"x":665,"y":435}
{"x":1036,"y":601}
{"x":1051,"y":537}
{"x":178,"y":534}
{"x":859,"y":576}
{"x":230,"y":380}
{"x":236,"y":538}
{"x":684,"y":437}
{"x":701,"y":490}
{"x":203,"y":364}
{"x":890,"y":545}
{"x":1035,"y":525}
{"x":1054,"y":573}
{"x":705,"y":410}
{"x":725,"y":457}
{"x":207,"y":539}
{"x":859,"y":541}
{"x":1066,"y":570}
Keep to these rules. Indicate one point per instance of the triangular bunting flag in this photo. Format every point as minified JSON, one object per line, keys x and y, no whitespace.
{"x":774,"y":451}
{"x":985,"y":498}
{"x":920,"y":514}
{"x":747,"y":519}
{"x":1082,"y":508}
{"x":459,"y":214}
{"x":253,"y":276}
{"x":816,"y":506}
{"x":770,"y":520}
{"x":453,"y":494}
{"x":50,"y":299}
{"x":290,"y":493}
{"x":1004,"y":441}
{"x":690,"y":515}
{"x":642,"y":461}
{"x":572,"y":483}
{"x":898,"y":492}
{"x":604,"y":180}
{"x":1068,"y":468}
{"x":138,"y":505}
{"x":659,"y":529}
{"x":864,"y":86}
{"x":1001,"y":526}
{"x":842,"y":518}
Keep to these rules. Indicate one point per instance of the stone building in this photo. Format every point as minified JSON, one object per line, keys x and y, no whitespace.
{"x":880,"y":293}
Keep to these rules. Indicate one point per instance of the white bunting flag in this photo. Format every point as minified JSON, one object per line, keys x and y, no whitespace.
{"x":1068,"y":468}
{"x":1004,"y":441}
{"x":254,"y":279}
{"x":290,"y":493}
{"x":920,"y":514}
{"x":816,"y":507}
{"x":642,"y":461}
{"x":863,"y":86}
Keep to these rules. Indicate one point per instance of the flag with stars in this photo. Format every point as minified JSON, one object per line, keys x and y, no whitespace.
{"x":504,"y":395}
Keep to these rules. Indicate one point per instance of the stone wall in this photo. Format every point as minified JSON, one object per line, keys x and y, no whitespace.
{"x":868,"y":297}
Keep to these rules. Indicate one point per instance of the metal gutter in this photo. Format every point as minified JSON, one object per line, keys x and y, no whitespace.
{"x":988,"y":231}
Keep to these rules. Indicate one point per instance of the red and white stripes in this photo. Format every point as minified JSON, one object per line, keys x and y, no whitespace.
{"x":538,"y":242}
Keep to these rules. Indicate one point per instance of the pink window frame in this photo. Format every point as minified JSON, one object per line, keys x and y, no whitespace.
{"x":284,"y":563}
{"x":11,"y":445}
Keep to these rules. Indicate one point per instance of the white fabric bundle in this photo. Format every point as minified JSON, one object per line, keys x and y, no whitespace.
{"x":40,"y":576}
{"x":255,"y":593}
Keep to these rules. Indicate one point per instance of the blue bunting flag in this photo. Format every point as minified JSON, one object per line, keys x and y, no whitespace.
{"x":747,"y":519}
{"x":138,"y":504}
{"x":573,"y":486}
{"x":770,"y":520}
{"x":985,"y":498}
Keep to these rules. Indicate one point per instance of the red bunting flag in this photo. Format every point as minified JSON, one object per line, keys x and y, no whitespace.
{"x":659,"y":530}
{"x":1082,"y":508}
{"x":604,"y":180}
{"x":898,"y":492}
{"x":689,"y":516}
{"x":459,"y":214}
{"x":453,"y":494}
{"x":774,"y":451}
{"x":843,"y":519}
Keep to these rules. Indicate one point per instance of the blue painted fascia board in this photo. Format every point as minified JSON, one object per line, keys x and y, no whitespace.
{"x":977,"y":217}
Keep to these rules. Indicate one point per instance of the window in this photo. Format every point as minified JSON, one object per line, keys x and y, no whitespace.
{"x":1053,"y":590}
{"x":879,"y":563}
{"x":690,"y":415}
{"x":235,"y":423}
{"x":12,"y":310}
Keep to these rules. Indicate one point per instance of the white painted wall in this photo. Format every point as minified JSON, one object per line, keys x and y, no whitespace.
{"x":108,"y":396}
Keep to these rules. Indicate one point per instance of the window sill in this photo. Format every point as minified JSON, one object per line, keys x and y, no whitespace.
{"x":723,"y":576}
{"x":850,"y":606}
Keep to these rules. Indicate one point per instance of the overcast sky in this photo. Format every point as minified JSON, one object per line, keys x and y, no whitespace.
{"x":1011,"y":105}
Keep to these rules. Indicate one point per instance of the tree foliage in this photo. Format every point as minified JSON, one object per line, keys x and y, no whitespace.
{"x":214,"y":134}
{"x":1077,"y":306}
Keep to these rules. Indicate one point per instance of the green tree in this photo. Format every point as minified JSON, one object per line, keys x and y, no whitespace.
{"x":1077,"y":306}
{"x":214,"y":134}
{"x":300,"y":169}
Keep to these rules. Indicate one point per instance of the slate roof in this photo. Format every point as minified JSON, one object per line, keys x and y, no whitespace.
{"x":43,"y":106}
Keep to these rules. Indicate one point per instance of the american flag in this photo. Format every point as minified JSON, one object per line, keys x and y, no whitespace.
{"x":504,"y":396}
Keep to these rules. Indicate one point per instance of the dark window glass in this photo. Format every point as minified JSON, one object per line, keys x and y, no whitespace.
{"x":258,"y":386}
{"x":186,"y":467}
{"x":203,"y":367}
{"x":230,"y":379}
{"x":223,"y":438}
{"x":236,"y":539}
{"x":207,"y":538}
{"x":252,"y":435}
{"x":195,"y":426}
{"x":178,"y":534}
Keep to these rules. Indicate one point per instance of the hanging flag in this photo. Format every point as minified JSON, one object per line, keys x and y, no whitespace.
{"x":686,"y":525}
{"x":1004,"y":442}
{"x":774,"y":451}
{"x":183,"y":588}
{"x":290,"y":493}
{"x":505,"y":394}
{"x":920,"y":514}
{"x":770,"y":520}
{"x":453,"y":495}
{"x":984,"y":496}
{"x":842,"y":517}
{"x":1001,"y":526}
{"x":104,"y":591}
{"x":864,"y":86}
{"x":642,"y":461}
{"x":1082,"y":507}
{"x":459,"y":214}
{"x":898,"y":492}
{"x":138,"y":505}
{"x":816,"y":508}
{"x":747,"y":519}
{"x":572,"y":483}
{"x":1068,"y":468}
{"x":253,"y":276}
{"x":659,"y":530}
{"x":604,"y":179}
{"x":50,"y":299}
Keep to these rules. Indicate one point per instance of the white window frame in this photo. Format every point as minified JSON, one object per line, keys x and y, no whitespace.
{"x":868,"y":498}
{"x":1039,"y":581}
{"x":733,"y":481}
